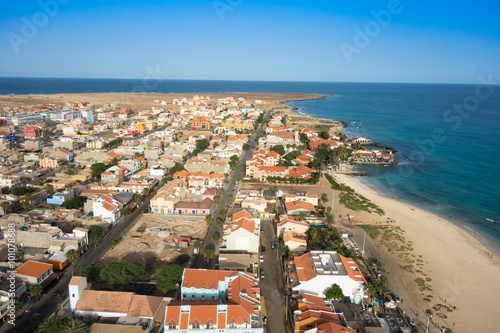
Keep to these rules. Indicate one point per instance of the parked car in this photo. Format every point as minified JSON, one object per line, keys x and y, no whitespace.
{"x":262,"y":229}
{"x":261,"y":258}
{"x":263,"y":249}
{"x":262,"y":275}
{"x":396,"y":298}
{"x":273,"y":245}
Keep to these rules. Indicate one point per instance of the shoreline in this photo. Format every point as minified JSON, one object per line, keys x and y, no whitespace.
{"x":459,"y":269}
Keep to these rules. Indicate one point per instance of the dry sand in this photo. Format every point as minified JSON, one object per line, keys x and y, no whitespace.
{"x":462,"y":272}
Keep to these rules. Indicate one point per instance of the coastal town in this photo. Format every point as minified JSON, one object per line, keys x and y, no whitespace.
{"x":196,"y":213}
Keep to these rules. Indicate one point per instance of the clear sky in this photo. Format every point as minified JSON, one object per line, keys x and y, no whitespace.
{"x":422,"y":41}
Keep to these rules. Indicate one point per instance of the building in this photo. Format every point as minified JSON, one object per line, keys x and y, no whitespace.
{"x":107,"y":208}
{"x":9,"y":138}
{"x":138,"y":183}
{"x":216,"y":301}
{"x":50,"y":163}
{"x":289,"y":224}
{"x":295,"y":242}
{"x":203,"y":207}
{"x":313,"y":315}
{"x":97,"y":303}
{"x":32,"y":132}
{"x":315,"y":272}
{"x":302,"y":196}
{"x":35,"y":272}
{"x":198,"y":182}
{"x":296,"y":207}
{"x":200,"y":122}
{"x":158,"y":171}
{"x":242,"y":235}
{"x":165,"y":199}
{"x":59,"y":197}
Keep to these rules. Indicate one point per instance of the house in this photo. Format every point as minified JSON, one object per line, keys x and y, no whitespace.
{"x":257,"y":203}
{"x":97,"y":303}
{"x":313,"y":145}
{"x":302,"y":172}
{"x":198,"y":182}
{"x":182,"y":175}
{"x":289,"y":224}
{"x":59,"y":197}
{"x":315,"y":272}
{"x":295,"y":242}
{"x":158,"y":171}
{"x":302,"y":196}
{"x":313,"y":315}
{"x":165,"y":199}
{"x":32,"y":132}
{"x":49,"y":163}
{"x":35,"y":272}
{"x":200,"y":122}
{"x":295,"y":207}
{"x":203,"y":207}
{"x":138,"y":183}
{"x":242,"y":235}
{"x":9,"y":138}
{"x":107,"y":208}
{"x":215,"y":301}
{"x":216,"y":166}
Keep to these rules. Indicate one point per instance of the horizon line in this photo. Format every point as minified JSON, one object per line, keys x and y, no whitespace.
{"x":236,"y":80}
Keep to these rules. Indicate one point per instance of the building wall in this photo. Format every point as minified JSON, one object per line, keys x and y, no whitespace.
{"x":319,"y":285}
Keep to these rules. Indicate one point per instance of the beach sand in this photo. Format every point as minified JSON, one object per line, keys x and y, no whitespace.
{"x":456,"y":268}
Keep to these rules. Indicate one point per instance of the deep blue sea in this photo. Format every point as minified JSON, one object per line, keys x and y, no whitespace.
{"x":446,"y":135}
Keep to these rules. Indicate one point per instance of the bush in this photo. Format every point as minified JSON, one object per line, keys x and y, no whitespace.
{"x":24,"y":190}
{"x":169,"y":277}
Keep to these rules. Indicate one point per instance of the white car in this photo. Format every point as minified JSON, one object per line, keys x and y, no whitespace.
{"x":261,"y":258}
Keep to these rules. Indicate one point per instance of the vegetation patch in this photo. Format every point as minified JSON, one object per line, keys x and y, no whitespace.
{"x":371,"y":230}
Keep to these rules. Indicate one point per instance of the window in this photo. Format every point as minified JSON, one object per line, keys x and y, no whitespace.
{"x":196,"y":325}
{"x":172,"y":326}
{"x":209,"y":325}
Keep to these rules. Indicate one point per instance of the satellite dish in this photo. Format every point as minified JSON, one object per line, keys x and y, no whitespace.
{"x":297,"y":312}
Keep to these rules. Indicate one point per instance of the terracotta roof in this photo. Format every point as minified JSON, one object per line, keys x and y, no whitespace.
{"x":118,"y":302}
{"x":75,"y":280}
{"x":113,"y":154}
{"x":304,"y":267}
{"x":294,"y":205}
{"x":241,"y":214}
{"x":352,"y":269}
{"x":33,"y":268}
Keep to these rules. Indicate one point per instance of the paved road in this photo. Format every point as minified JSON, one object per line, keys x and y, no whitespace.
{"x":47,"y":304}
{"x":271,"y":286}
{"x":238,"y":173}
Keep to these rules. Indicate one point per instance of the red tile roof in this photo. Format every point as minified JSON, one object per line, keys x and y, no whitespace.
{"x":33,"y":268}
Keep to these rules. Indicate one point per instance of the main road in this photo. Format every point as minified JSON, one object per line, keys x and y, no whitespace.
{"x":200,"y":261}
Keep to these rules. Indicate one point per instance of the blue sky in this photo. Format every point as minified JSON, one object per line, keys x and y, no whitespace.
{"x":423,"y":41}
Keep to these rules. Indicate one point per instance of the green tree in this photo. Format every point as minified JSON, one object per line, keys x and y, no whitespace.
{"x":302,"y":216}
{"x":197,"y":245}
{"x":222,"y":191}
{"x":208,"y":219}
{"x":279,"y":149}
{"x":175,"y":168}
{"x":222,"y":213}
{"x":208,"y":254}
{"x":201,"y":144}
{"x":384,"y":289}
{"x":234,"y":158}
{"x":324,"y":198}
{"x":24,"y":190}
{"x":215,"y":238}
{"x":124,"y":211}
{"x":330,"y":219}
{"x":303,"y":138}
{"x":146,"y":191}
{"x":217,"y":198}
{"x":138,"y":197}
{"x":51,"y":324}
{"x":95,"y":233}
{"x":91,"y":272}
{"x":18,"y":306}
{"x":230,"y":197}
{"x":335,"y":292}
{"x":36,"y":290}
{"x":168,"y":277}
{"x":35,"y":319}
{"x":97,"y":169}
{"x":72,"y":256}
{"x":324,"y":135}
{"x":5,"y":206}
{"x":75,"y":325}
{"x":275,"y":189}
{"x":246,"y":146}
{"x":123,"y":273}
{"x":75,"y":202}
{"x":283,"y":250}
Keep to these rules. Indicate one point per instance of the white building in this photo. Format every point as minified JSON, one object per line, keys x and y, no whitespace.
{"x":315,"y":272}
{"x":107,"y":208}
{"x":242,"y":235}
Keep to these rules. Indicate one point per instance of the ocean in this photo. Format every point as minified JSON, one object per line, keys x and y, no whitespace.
{"x":445,"y":134}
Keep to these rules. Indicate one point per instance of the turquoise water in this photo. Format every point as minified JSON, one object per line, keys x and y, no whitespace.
{"x":448,"y":162}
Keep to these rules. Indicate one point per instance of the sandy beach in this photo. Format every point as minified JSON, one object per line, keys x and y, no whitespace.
{"x":455,"y":270}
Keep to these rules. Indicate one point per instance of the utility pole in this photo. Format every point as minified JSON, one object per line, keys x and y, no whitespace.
{"x":363,"y":251}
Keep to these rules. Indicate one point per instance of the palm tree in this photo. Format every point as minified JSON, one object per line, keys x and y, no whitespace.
{"x":221,"y":191}
{"x":208,"y":254}
{"x":137,"y":197}
{"x":50,"y":188}
{"x":283,"y":250}
{"x":26,"y":205}
{"x":216,"y":238}
{"x":323,"y":234}
{"x":219,"y":223}
{"x":222,"y":213}
{"x":384,"y":289}
{"x":217,"y":199}
{"x":146,"y":191}
{"x":197,"y":245}
{"x":72,"y":256}
{"x":35,"y":319}
{"x":324,"y":198}
{"x":6,"y":207}
{"x":49,"y":325}
{"x":230,"y":197}
{"x":36,"y":290}
{"x":153,"y":193}
{"x":208,"y":219}
{"x":75,"y":325}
